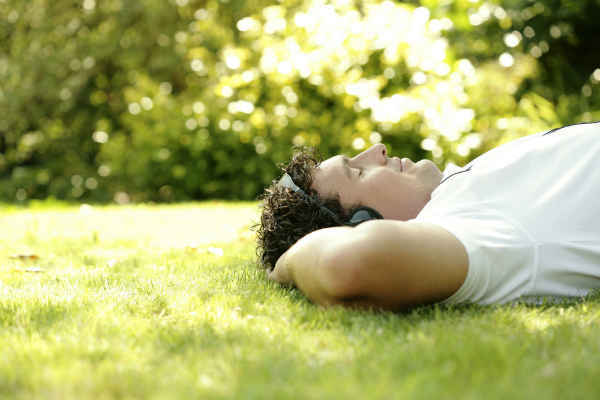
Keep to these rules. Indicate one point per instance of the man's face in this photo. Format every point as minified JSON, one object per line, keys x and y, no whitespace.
{"x":397,"y":188}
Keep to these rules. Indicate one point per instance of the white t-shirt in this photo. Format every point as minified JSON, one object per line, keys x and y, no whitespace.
{"x":528,"y":214}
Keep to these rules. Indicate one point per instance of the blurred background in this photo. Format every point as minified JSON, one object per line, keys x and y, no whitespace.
{"x":172,"y":100}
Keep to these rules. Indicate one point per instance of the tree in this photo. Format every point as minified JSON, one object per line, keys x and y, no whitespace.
{"x":190,"y":99}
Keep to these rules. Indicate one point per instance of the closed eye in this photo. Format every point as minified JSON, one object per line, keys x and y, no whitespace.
{"x":348,"y":169}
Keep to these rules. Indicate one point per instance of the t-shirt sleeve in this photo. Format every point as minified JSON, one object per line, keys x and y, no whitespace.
{"x":501,"y":258}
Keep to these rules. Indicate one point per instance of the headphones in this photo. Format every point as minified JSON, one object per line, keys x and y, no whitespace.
{"x":360,"y":215}
{"x":363,"y":214}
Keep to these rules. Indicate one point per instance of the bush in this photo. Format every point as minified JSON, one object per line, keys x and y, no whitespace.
{"x":174,"y":100}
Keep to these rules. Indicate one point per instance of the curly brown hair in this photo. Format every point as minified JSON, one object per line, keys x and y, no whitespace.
{"x":288,"y":216}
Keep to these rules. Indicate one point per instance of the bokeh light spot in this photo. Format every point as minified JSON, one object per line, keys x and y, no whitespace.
{"x":100,"y":137}
{"x":358,"y":144}
{"x":506,"y":60}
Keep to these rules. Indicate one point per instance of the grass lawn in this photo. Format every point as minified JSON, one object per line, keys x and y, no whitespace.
{"x":166,"y":302}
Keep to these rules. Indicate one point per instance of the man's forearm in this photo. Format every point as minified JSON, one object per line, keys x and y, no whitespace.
{"x":385,"y":264}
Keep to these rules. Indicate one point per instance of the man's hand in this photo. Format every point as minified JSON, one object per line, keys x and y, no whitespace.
{"x":281,"y":272}
{"x":307,"y":265}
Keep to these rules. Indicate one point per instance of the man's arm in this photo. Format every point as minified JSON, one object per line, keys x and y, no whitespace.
{"x":387,"y":264}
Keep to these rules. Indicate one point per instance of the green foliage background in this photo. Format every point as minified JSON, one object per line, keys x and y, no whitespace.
{"x":165,"y":100}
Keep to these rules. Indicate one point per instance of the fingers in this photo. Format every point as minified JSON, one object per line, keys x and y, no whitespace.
{"x":272,"y":274}
{"x":281,"y":272}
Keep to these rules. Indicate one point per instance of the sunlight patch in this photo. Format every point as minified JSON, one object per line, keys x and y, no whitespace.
{"x":534,"y":322}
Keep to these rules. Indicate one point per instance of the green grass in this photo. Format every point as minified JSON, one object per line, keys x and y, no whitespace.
{"x":137,"y":303}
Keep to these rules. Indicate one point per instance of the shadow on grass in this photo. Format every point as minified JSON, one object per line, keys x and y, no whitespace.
{"x":437,"y":311}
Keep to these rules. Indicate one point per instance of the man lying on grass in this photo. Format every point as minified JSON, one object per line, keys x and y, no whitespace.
{"x":520,"y":220}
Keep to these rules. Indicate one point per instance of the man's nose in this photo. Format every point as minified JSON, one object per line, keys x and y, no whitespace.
{"x":376,"y":153}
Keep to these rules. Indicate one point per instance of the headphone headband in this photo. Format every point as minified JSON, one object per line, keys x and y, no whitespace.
{"x":287,"y":182}
{"x":359,"y":216}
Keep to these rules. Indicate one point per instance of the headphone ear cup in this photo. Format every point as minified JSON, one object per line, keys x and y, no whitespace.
{"x":363,"y":214}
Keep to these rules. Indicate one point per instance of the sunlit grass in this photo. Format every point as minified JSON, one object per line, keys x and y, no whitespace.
{"x":166,"y":302}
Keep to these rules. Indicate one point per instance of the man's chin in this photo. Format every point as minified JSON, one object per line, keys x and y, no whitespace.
{"x":430,"y":170}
